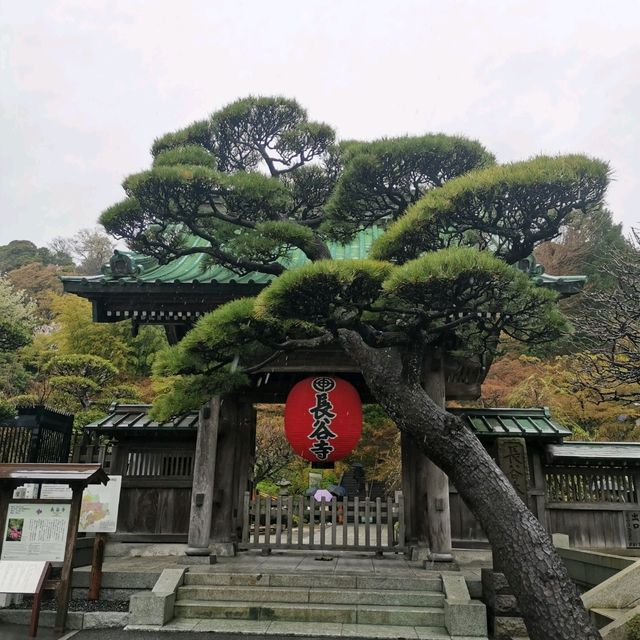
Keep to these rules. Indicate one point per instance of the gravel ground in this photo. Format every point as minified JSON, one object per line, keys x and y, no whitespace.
{"x":78,"y":605}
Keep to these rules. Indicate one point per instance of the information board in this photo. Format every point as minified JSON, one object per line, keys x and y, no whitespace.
{"x":100,"y":503}
{"x":35,"y":531}
{"x":21,"y":576}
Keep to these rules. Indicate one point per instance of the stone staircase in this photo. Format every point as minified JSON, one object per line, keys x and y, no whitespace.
{"x":354,"y":605}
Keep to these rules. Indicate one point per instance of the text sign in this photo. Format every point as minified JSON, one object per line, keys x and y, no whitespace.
{"x":633,"y":529}
{"x":21,"y":576}
{"x":35,"y":531}
{"x":512,"y":459}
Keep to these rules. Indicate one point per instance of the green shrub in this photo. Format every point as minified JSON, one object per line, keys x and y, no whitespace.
{"x":633,"y":628}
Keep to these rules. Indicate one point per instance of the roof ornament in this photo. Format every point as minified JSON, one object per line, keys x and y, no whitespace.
{"x":125,"y":264}
{"x":530,"y":266}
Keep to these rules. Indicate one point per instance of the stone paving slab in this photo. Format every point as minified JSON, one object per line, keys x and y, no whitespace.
{"x":324,"y":629}
{"x":232,"y":626}
{"x":283,"y":629}
{"x":375,"y":631}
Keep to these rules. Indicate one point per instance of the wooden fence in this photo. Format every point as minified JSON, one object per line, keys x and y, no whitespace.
{"x":155,"y":501}
{"x":591,"y":505}
{"x":300,"y":522}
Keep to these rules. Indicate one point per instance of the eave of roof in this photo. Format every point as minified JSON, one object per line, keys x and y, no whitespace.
{"x":619,"y":451}
{"x":193,"y":271}
{"x":485,"y":423}
{"x":134,"y":418}
{"x":533,"y":423}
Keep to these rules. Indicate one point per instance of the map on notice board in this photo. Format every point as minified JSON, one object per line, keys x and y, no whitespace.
{"x":99,"y":511}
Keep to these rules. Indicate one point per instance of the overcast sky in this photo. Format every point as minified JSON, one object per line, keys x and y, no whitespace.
{"x":86,"y":85}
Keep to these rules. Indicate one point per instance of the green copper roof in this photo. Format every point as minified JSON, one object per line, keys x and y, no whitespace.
{"x":489,"y":423}
{"x":524,"y":423}
{"x":129,"y":267}
{"x":135,"y":267}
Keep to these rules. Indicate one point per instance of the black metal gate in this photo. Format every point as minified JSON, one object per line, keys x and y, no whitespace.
{"x":36,"y":434}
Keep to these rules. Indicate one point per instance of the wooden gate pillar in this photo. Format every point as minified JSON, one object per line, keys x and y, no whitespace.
{"x":414,"y":483}
{"x":437,"y":482}
{"x":202,"y":489}
{"x":226,"y":478}
{"x":243,"y":464}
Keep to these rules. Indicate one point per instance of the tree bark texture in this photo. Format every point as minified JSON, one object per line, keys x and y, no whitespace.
{"x":548,"y":600}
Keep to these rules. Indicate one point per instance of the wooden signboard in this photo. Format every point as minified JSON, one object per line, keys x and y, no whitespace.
{"x":36,"y":528}
{"x":633,"y":529}
{"x":27,"y":577}
{"x":512,"y":459}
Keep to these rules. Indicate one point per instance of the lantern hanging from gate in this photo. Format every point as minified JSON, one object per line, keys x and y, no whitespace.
{"x":323,"y":418}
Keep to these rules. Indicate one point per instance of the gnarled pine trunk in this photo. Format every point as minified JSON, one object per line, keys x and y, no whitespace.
{"x":548,"y":600}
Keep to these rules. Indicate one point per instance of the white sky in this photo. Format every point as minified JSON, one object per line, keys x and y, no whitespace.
{"x":86,"y":85}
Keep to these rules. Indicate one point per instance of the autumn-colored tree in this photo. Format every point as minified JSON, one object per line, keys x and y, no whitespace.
{"x":377,"y":443}
{"x":39,"y":282}
{"x":273,"y":451}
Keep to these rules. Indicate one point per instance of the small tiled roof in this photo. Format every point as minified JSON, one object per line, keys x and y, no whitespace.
{"x":604,"y":451}
{"x":528,"y":423}
{"x":134,"y":417}
{"x":503,"y":422}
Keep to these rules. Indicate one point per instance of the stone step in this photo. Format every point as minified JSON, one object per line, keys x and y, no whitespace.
{"x":431,"y":583}
{"x":311,"y":612}
{"x":260,"y":594}
{"x":307,"y":630}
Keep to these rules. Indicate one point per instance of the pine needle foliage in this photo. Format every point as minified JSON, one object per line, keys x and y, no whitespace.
{"x":506,"y":209}
{"x":382,"y":178}
{"x":324,"y":292}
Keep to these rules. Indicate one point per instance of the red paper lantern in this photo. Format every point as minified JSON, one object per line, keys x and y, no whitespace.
{"x":323,"y":418}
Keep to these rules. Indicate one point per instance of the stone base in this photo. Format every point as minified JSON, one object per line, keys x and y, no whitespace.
{"x":223,"y":549}
{"x":505,"y":628}
{"x":150,"y":608}
{"x":433,"y":565}
{"x":419,"y":553}
{"x":468,"y":619}
{"x":440,"y":557}
{"x":502,"y":608}
{"x":210,"y":559}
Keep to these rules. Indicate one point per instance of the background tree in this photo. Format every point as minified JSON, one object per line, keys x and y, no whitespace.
{"x":610,"y":326}
{"x":18,"y":253}
{"x":90,"y":249}
{"x":39,"y":282}
{"x":16,"y":327}
{"x":17,"y":317}
{"x":273,"y":451}
{"x":259,"y":179}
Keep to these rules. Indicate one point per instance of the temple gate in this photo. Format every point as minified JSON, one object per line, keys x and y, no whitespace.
{"x":175,"y":295}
